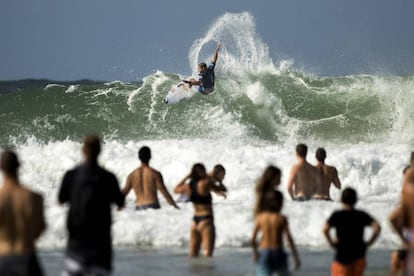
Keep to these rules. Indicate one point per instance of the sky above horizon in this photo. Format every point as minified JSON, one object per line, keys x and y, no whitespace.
{"x":127,"y":40}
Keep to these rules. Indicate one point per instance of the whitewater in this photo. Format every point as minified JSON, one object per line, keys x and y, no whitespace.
{"x":260,"y":110}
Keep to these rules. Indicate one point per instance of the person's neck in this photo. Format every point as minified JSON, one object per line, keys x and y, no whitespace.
{"x":91,"y":162}
{"x":301,"y":160}
{"x":347,"y":207}
{"x":144,"y":164}
{"x":321,"y":163}
{"x":10,"y":181}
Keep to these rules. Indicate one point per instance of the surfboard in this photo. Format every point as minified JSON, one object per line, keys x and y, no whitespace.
{"x":180,"y":92}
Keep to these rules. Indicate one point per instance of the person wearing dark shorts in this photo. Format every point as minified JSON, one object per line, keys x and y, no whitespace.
{"x":350,"y":246}
{"x":90,"y":190}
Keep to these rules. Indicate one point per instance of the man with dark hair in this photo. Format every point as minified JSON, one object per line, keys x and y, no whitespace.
{"x":350,"y":246}
{"x":90,"y":190}
{"x":304,"y":180}
{"x":328,"y":175}
{"x":21,"y":221}
{"x":146,"y":182}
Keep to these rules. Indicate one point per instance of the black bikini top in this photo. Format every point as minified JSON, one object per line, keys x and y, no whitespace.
{"x":196,"y":198}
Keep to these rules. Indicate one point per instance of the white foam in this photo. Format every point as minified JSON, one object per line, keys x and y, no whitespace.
{"x":374,"y":170}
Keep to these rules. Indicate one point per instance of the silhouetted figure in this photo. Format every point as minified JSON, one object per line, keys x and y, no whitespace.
{"x":349,"y":244}
{"x":90,"y":190}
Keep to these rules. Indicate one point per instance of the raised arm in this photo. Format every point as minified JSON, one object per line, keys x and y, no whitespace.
{"x":215,"y":56}
{"x":181,"y":187}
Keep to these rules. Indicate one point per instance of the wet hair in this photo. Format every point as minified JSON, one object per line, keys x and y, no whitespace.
{"x":91,"y":147}
{"x":266,"y":184}
{"x":198,"y":172}
{"x":320,"y":154}
{"x":9,"y":163}
{"x":144,"y":154}
{"x":273,"y":201}
{"x":218,"y":169}
{"x":302,"y":150}
{"x":349,"y":197}
{"x":202,"y":65}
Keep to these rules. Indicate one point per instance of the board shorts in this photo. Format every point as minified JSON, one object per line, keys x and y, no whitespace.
{"x":205,"y":91}
{"x":73,"y":267}
{"x":24,"y":265}
{"x":356,"y":268}
{"x":147,"y":206}
{"x":272,"y":261}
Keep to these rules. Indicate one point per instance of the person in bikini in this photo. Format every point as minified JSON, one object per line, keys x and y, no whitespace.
{"x":328,"y":174}
{"x":146,"y":182}
{"x":21,"y":221}
{"x":304,"y":180}
{"x":206,"y":77}
{"x":273,"y":226}
{"x":217,"y":176}
{"x":199,"y":191}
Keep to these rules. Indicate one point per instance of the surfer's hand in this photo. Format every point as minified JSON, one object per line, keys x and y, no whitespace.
{"x":185,"y":81}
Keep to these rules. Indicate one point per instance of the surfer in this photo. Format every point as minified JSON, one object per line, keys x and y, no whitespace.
{"x":206,"y":76}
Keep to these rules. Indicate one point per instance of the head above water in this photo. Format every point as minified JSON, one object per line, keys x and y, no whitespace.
{"x":320,"y":154}
{"x":301,"y":150}
{"x":349,"y":197}
{"x":201,"y":67}
{"x":144,"y":154}
{"x":269,"y":180}
{"x":198,"y":172}
{"x":273,"y":201}
{"x":219,"y":172}
{"x":91,"y":147}
{"x":9,"y":163}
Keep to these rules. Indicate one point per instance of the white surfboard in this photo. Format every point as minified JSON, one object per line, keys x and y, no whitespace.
{"x":181,"y":91}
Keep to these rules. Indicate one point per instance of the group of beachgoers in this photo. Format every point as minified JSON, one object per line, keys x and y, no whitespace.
{"x":91,"y":190}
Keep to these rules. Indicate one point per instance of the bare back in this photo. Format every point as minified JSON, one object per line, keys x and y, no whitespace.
{"x":305,"y":179}
{"x":145,"y":182}
{"x":328,"y":175}
{"x":21,"y":220}
{"x":272,"y":227}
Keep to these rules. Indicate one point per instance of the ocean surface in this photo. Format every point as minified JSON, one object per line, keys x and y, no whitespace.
{"x":259,"y":111}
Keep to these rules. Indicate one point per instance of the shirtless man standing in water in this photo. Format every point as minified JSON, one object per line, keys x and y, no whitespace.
{"x":146,"y":182}
{"x":304,"y":177}
{"x":328,"y":175}
{"x":21,"y":221}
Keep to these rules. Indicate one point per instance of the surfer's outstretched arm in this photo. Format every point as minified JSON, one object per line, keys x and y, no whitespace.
{"x":215,"y":56}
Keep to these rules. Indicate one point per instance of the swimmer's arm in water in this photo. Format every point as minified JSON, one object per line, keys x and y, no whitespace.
{"x":291,"y":181}
{"x":161,"y":187}
{"x":336,"y":180}
{"x":128,"y":186}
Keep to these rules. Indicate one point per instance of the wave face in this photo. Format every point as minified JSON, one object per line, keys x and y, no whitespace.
{"x":259,"y":110}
